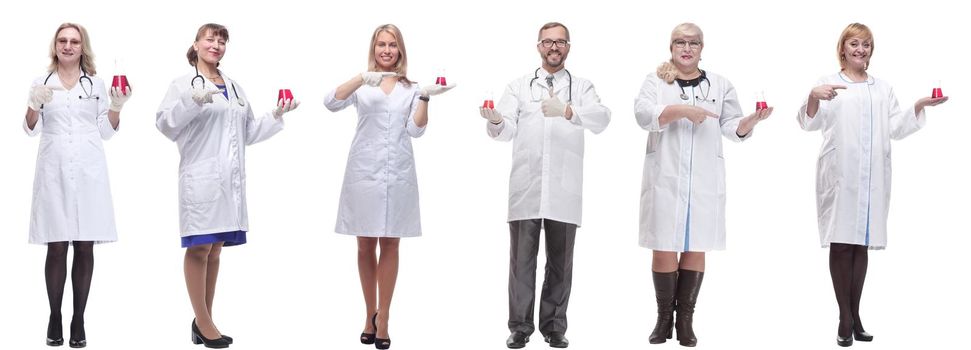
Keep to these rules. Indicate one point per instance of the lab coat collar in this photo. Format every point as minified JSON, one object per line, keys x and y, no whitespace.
{"x":560,"y":75}
{"x":869,"y":79}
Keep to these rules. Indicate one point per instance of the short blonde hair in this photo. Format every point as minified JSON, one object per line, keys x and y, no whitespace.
{"x":687,"y":29}
{"x":87,"y":55}
{"x":401,"y":66}
{"x":854,"y":30}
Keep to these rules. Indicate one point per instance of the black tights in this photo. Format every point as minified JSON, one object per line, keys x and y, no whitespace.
{"x":847,"y":266}
{"x":55,"y":273}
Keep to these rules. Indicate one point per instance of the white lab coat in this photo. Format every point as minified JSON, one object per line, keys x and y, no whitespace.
{"x":853,"y":170}
{"x":683,"y":189}
{"x":72,"y":198}
{"x":379,"y":197}
{"x":546,"y":181}
{"x":212,"y":140}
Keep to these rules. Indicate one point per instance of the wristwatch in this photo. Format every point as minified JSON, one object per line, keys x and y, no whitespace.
{"x":424,"y":98}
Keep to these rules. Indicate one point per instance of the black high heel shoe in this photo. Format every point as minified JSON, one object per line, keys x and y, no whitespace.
{"x":198,"y":338}
{"x":379,"y":343}
{"x":55,"y":335}
{"x":368,"y":338}
{"x":862,"y":336}
{"x":844,"y":341}
{"x":78,"y":339}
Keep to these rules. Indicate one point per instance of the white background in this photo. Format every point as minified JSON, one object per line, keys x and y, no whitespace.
{"x":295,"y":284}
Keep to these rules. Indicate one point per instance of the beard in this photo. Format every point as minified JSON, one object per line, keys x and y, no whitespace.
{"x":550,"y":62}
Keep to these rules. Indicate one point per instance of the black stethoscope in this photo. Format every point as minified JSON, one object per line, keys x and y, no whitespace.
{"x":695,"y":82}
{"x":203,"y":80}
{"x":84,"y":77}
{"x":536,"y":76}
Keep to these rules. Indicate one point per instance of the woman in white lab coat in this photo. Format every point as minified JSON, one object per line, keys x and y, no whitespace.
{"x":68,"y":106}
{"x":687,"y":111}
{"x":209,"y":117}
{"x":858,"y":115}
{"x":379,"y":198}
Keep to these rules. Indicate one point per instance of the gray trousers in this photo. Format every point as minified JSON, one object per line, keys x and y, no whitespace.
{"x":523,"y":248}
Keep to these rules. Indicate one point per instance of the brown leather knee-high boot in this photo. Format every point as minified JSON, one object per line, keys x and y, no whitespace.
{"x":665,"y":284}
{"x":689,"y":283}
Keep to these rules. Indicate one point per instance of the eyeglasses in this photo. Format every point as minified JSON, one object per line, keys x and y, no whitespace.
{"x":547,"y":43}
{"x":694,"y":45}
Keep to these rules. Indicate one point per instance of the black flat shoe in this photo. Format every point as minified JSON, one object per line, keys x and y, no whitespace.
{"x":517,"y":340}
{"x":77,"y":344}
{"x":862,"y":336}
{"x":55,"y":342}
{"x":556,"y":340}
{"x":198,"y":338}
{"x":368,"y":338}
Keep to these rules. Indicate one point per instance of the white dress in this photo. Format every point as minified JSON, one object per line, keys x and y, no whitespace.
{"x":683,"y":188}
{"x":853,"y":169}
{"x":72,"y":198}
{"x":379,"y":197}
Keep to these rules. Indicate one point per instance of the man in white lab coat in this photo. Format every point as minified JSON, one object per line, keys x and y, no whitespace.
{"x":545,"y":113}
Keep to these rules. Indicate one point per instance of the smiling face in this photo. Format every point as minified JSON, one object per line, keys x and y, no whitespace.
{"x":856,"y":53}
{"x":386,"y":53}
{"x":553,"y":55}
{"x":211,"y":47}
{"x":68,"y":46}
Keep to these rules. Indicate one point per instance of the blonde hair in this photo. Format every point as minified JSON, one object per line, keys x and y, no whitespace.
{"x":854,"y":30}
{"x":686,"y":29}
{"x":216,"y":30}
{"x":401,"y":66}
{"x":87,"y":55}
{"x":666,"y":71}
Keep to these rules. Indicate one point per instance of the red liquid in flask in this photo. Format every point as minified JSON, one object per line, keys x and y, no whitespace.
{"x":937,"y":93}
{"x":488,"y":104}
{"x":440,"y":81}
{"x":122,"y":82}
{"x":284,"y":94}
{"x":761,"y":105}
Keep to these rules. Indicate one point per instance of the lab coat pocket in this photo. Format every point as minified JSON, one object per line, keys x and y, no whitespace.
{"x":201,"y":182}
{"x":572,"y":173}
{"x":520,"y":177}
{"x":828,"y":170}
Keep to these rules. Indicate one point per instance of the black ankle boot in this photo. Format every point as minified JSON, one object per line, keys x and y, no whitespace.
{"x":689,"y":283}
{"x":665,"y":284}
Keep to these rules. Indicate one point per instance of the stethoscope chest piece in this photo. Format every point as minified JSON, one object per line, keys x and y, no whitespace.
{"x":684,"y":96}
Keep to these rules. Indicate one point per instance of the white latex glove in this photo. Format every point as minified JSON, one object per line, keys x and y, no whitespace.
{"x":553,"y":107}
{"x":40,"y":95}
{"x":118,"y":98}
{"x":204,"y":94}
{"x":491,"y":115}
{"x":283,"y":107}
{"x":374,"y":78}
{"x":435,"y":89}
